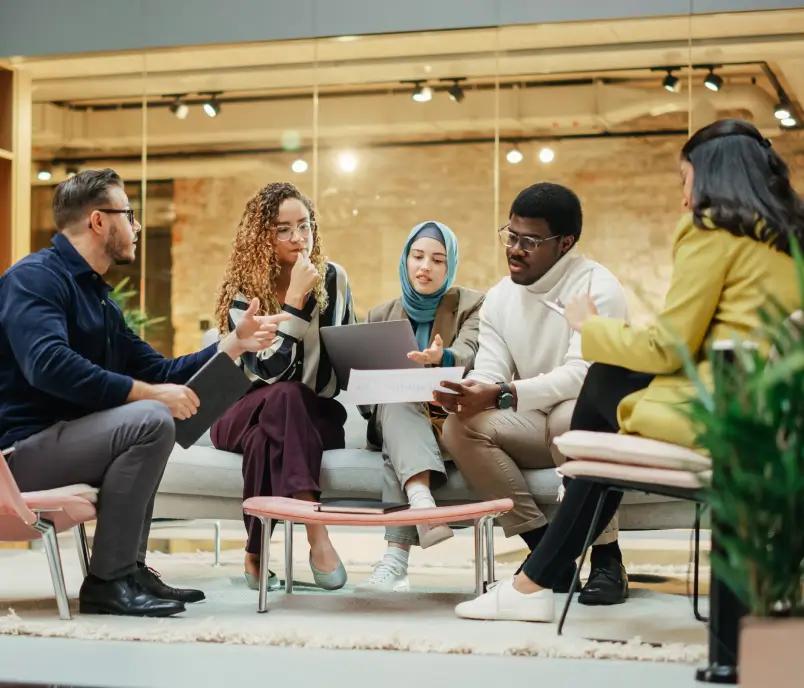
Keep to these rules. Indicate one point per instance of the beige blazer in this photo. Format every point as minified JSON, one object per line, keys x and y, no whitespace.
{"x":457,"y":320}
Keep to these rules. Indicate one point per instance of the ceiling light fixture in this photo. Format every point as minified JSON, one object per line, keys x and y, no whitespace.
{"x":211,"y":106}
{"x":45,"y":174}
{"x":782,"y":111}
{"x":514,"y":156}
{"x":547,"y":155}
{"x":788,"y":122}
{"x":179,"y":108}
{"x":455,"y":92}
{"x":71,"y":170}
{"x":347,"y":161}
{"x":671,"y":82}
{"x":712,"y":81}
{"x":299,"y":166}
{"x":421,"y":94}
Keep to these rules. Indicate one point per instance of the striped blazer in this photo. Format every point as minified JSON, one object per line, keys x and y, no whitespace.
{"x":297,"y":354}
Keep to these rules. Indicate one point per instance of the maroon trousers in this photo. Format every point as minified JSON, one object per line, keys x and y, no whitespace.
{"x":282,"y":430}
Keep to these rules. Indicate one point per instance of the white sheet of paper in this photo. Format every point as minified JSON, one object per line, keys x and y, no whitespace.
{"x":397,"y":386}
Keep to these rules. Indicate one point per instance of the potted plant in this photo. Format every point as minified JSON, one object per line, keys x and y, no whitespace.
{"x":135,"y":318}
{"x":750,"y":418}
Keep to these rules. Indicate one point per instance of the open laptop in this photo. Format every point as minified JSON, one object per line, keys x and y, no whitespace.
{"x":369,"y":346}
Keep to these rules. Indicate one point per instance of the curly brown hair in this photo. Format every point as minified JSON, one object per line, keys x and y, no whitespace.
{"x":253,"y":266}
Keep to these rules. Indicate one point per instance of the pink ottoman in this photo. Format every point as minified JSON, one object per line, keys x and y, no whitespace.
{"x":292,"y":511}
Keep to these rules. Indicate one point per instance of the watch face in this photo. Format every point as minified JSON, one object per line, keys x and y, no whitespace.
{"x":505,"y":401}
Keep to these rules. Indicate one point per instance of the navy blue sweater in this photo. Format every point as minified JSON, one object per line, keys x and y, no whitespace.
{"x":65,"y":350}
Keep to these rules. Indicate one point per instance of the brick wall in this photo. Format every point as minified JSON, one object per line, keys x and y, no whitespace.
{"x":630,"y":191}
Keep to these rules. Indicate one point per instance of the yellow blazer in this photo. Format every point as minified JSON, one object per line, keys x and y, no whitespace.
{"x":718,"y":285}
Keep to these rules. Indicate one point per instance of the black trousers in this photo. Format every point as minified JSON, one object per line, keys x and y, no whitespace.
{"x":596,"y":409}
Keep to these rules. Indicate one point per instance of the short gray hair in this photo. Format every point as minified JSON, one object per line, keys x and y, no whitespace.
{"x":74,"y":195}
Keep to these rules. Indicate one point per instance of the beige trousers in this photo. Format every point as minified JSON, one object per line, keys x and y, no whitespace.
{"x":492,"y":448}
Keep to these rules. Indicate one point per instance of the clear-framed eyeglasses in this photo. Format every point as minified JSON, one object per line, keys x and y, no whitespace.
{"x":286,"y":232}
{"x":528,"y":244}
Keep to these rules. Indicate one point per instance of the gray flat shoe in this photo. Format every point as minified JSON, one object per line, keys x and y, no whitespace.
{"x":254,"y":583}
{"x":332,"y":580}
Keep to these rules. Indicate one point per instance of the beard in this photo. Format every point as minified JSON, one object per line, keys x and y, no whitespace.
{"x":120,"y":250}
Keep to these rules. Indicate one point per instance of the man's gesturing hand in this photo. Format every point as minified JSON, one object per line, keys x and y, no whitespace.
{"x":253,"y":333}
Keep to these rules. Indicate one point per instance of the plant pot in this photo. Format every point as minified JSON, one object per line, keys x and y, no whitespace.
{"x":771,"y":652}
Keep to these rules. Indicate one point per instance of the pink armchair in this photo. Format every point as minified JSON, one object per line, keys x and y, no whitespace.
{"x":30,"y":515}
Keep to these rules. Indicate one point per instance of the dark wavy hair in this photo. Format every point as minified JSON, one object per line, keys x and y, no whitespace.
{"x":741,"y":184}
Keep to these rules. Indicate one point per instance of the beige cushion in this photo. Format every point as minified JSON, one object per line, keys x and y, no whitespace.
{"x":637,"y":474}
{"x":630,"y":449}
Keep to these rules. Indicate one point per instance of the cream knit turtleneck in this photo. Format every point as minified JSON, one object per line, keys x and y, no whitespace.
{"x":522,"y":340}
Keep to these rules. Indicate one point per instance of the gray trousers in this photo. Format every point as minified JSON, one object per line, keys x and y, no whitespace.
{"x":122,"y":451}
{"x":409,"y":446}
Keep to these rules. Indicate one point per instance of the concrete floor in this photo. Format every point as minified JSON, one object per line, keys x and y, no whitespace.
{"x":123,"y":665}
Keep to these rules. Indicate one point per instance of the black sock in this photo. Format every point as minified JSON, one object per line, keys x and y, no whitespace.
{"x":533,"y":537}
{"x":603,"y":554}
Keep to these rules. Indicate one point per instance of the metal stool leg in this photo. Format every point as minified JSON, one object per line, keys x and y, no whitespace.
{"x":83,"y":549}
{"x":288,"y":556}
{"x":217,"y":543}
{"x":262,"y":606}
{"x":51,"y":545}
{"x":479,"y":556}
{"x":589,"y":537}
{"x":489,"y":531}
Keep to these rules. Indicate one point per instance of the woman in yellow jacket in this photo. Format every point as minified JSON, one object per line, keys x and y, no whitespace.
{"x":730,"y":253}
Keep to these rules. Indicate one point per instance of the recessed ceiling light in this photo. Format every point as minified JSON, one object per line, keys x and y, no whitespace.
{"x":514,"y":156}
{"x":347,"y":161}
{"x":45,"y":174}
{"x":547,"y":155}
{"x":299,"y":166}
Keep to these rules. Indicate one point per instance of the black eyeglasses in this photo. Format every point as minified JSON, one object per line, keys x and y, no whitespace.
{"x":527,"y":243}
{"x":128,"y":212}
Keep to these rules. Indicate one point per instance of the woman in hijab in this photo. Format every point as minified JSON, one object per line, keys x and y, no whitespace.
{"x":445,"y":319}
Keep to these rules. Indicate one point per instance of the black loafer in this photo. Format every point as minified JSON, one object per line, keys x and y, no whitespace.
{"x":607,"y":584}
{"x":150,"y":580}
{"x":124,"y":596}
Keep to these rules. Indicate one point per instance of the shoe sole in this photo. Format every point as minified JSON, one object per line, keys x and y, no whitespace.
{"x":602,"y":602}
{"x":159,"y":613}
{"x":432,"y":536}
{"x":511,"y":617}
{"x":398,"y":587}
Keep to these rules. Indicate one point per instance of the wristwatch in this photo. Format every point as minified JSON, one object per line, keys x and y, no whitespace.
{"x":505,"y":398}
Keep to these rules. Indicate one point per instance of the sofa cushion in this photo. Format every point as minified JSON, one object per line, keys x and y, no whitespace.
{"x":630,"y":449}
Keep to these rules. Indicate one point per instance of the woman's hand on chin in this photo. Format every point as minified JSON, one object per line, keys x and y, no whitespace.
{"x":430,"y":356}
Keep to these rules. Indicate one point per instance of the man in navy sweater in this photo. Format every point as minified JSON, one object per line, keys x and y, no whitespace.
{"x":84,"y":400}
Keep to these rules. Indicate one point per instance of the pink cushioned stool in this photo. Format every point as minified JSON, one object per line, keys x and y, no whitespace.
{"x":292,"y":511}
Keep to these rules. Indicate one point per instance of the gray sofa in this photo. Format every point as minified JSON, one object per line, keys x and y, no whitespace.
{"x":205,"y":483}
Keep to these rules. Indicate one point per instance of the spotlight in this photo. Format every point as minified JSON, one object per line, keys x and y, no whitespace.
{"x":422,"y":94}
{"x":788,"y":122}
{"x":671,"y":83}
{"x":179,"y":109}
{"x":347,"y":161}
{"x":782,"y":111}
{"x":514,"y":156}
{"x":71,"y":170}
{"x":45,"y":174}
{"x":547,"y":155}
{"x":211,"y":106}
{"x":299,"y":166}
{"x":455,"y":92}
{"x":712,"y":81}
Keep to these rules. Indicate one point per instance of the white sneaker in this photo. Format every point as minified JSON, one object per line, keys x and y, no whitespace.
{"x":388,"y":576}
{"x":504,"y":603}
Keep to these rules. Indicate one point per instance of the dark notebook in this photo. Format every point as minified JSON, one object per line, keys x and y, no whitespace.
{"x":218,"y":384}
{"x":359,"y":506}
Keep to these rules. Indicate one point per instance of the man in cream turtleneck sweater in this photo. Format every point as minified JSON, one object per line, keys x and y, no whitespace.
{"x":528,"y":372}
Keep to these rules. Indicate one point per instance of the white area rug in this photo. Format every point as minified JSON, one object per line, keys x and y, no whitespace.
{"x":650,"y":626}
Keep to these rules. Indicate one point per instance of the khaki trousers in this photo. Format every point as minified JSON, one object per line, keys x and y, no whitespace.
{"x":492,"y":448}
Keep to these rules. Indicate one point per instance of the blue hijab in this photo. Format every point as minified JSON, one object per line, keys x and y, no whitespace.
{"x":421,"y":308}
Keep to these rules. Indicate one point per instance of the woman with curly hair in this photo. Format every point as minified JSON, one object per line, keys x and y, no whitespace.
{"x":289,"y":417}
